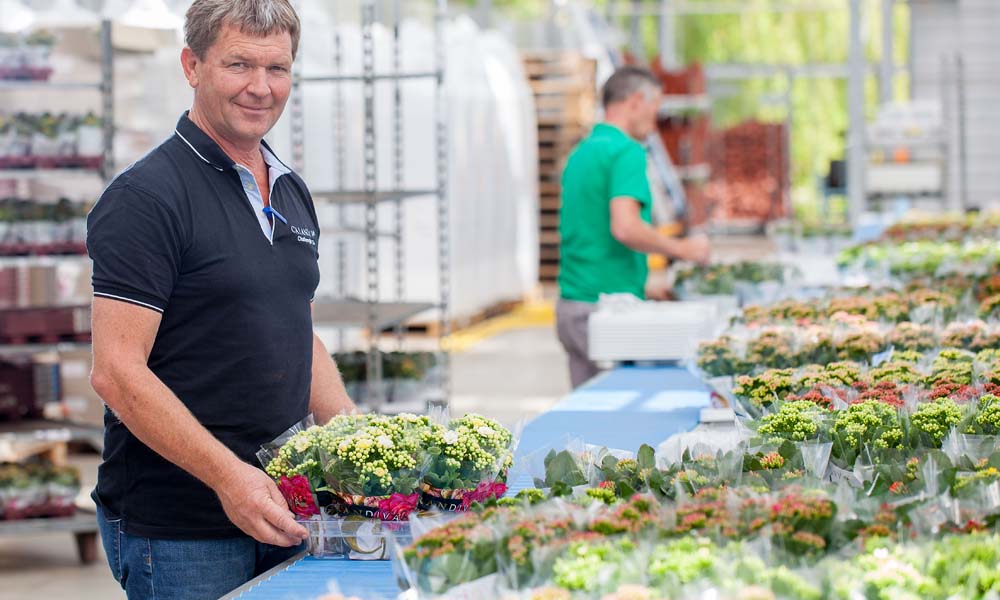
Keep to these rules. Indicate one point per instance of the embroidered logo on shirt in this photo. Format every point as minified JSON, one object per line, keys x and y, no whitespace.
{"x":304,"y":235}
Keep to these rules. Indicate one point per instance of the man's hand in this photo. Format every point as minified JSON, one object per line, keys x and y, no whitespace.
{"x":254,"y":504}
{"x":659,"y":293}
{"x":697,"y":249}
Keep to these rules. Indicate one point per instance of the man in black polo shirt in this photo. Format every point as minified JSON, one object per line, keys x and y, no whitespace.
{"x":205,"y":264}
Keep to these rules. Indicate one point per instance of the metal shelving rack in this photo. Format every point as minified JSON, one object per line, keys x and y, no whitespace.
{"x":372,"y":312}
{"x":106,"y":88}
{"x":105,"y":171}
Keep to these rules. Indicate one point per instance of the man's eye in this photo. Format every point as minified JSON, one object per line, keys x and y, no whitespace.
{"x":238,"y":65}
{"x":278,"y":69}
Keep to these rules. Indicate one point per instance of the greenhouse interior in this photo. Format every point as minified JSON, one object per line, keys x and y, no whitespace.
{"x":536,"y":299}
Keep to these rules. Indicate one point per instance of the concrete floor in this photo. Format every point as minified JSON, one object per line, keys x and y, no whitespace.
{"x":511,"y":376}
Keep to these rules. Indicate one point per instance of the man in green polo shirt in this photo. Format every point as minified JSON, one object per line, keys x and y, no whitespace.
{"x":604,"y":223}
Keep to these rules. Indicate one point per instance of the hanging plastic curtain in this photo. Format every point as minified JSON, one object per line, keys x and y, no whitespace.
{"x":66,"y":13}
{"x":151,"y":14}
{"x":16,"y":16}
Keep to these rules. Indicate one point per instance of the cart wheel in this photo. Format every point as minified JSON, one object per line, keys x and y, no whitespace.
{"x":86,"y":546}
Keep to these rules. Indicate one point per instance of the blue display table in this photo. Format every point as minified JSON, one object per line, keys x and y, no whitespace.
{"x":623,"y":409}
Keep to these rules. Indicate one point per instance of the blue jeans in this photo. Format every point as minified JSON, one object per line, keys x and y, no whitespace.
{"x":152,"y":569}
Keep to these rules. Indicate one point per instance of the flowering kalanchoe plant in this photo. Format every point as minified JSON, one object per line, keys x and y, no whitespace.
{"x":462,"y":550}
{"x":853,"y":305}
{"x":859,"y":346}
{"x":639,"y":513}
{"x":299,"y":456}
{"x":818,"y":346}
{"x":593,"y":566}
{"x":941,"y":303}
{"x":801,"y":521}
{"x":990,"y":307}
{"x":886,"y":392}
{"x":469,"y":462}
{"x":764,"y":389}
{"x":773,"y":348}
{"x":967,"y":481}
{"x":870,"y":423}
{"x":986,"y":420}
{"x":834,"y":374}
{"x":718,"y":358}
{"x":952,"y":365}
{"x":374,"y":470}
{"x":964,"y":335}
{"x":683,"y":561}
{"x":913,"y":337}
{"x":933,"y":420}
{"x":797,"y":421}
{"x":896,"y":371}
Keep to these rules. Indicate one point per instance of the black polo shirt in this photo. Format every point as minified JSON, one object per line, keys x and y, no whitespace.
{"x":177,"y":234}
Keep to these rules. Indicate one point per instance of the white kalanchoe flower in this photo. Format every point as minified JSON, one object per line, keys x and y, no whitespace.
{"x":486,"y":431}
{"x":450,"y":437}
{"x":385,"y":441}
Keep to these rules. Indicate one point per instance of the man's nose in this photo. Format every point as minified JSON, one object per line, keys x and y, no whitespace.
{"x":258,"y":83}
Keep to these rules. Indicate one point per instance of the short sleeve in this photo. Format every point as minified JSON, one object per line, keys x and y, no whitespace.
{"x":628,"y":175}
{"x":135,"y":242}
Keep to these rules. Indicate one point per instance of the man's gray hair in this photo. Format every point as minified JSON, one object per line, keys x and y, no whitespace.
{"x":626,"y":81}
{"x":206,"y":18}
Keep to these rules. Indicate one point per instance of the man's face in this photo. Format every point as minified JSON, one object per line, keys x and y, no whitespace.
{"x":644,"y":105}
{"x":242,"y":83}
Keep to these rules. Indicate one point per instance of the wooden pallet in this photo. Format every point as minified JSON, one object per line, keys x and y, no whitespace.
{"x":548,"y":221}
{"x":548,"y":252}
{"x":433,"y":328}
{"x":18,"y":450}
{"x":548,"y":272}
{"x":549,"y":188}
{"x":564,"y":87}
{"x":553,"y":203}
{"x":549,"y":237}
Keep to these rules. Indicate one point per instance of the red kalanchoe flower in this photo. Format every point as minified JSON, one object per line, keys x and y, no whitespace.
{"x":897,"y":487}
{"x":606,"y":485}
{"x":298,"y":495}
{"x":397,"y":506}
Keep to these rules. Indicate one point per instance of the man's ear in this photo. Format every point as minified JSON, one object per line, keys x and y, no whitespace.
{"x":189,"y":62}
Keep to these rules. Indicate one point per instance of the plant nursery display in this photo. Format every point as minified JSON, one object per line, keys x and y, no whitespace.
{"x":37,"y":489}
{"x":867,"y":463}
{"x":726,"y":279}
{"x":767,"y":519}
{"x":26,"y":57}
{"x":47,"y":140}
{"x":34,"y":227}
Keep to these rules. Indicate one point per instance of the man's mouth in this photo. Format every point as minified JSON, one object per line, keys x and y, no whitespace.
{"x":258,"y":109}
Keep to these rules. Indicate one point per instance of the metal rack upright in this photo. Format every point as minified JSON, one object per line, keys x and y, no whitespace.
{"x":372,"y":312}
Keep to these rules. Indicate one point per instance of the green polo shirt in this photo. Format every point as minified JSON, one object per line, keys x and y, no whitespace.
{"x":606,"y":164}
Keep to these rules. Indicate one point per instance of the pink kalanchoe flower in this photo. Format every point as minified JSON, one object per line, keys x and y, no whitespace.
{"x":484,"y":491}
{"x":298,"y":495}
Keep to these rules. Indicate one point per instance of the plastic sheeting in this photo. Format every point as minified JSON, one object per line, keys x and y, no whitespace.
{"x":491,"y":161}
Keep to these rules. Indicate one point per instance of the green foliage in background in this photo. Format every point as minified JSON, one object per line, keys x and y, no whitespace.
{"x":818,"y":107}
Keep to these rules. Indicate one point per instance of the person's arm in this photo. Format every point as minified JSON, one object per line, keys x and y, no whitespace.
{"x":328,"y":397}
{"x":123,"y":336}
{"x":628,"y":228}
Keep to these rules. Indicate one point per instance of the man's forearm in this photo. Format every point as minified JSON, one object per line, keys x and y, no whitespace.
{"x":161,"y":421}
{"x":641,"y":237}
{"x":328,"y":397}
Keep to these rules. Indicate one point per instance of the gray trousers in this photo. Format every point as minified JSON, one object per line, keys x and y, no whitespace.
{"x":571,"y":326}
